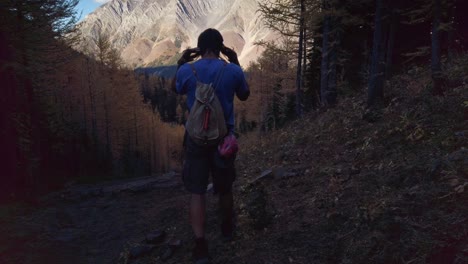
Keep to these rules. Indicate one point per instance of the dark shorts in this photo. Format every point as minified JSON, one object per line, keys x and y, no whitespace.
{"x":200,"y":163}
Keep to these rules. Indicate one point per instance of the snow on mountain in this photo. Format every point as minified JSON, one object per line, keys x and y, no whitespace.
{"x":149,"y":32}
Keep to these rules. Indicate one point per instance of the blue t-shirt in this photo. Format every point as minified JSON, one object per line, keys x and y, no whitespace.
{"x":232,"y":81}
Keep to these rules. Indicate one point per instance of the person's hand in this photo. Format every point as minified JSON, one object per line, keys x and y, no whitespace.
{"x":231,"y":54}
{"x":188,"y":55}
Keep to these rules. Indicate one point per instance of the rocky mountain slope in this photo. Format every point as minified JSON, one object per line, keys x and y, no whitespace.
{"x":152,"y":32}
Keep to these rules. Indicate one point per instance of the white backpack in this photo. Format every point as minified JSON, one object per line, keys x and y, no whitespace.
{"x":206,"y":125}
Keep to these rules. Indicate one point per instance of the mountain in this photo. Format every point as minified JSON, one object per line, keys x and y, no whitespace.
{"x":153,"y":32}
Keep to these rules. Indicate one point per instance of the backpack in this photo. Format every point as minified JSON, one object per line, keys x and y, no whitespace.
{"x":206,"y":125}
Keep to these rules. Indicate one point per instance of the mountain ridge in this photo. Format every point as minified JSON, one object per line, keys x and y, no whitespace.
{"x":151,"y":33}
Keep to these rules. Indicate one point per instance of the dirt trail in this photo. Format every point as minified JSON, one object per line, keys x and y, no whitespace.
{"x":93,"y":224}
{"x":103,"y":223}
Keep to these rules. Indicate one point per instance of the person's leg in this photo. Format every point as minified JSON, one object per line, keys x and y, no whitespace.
{"x":223,"y":177}
{"x":197,"y":220}
{"x":226,"y":206}
{"x":197,"y":214}
{"x":195,"y":177}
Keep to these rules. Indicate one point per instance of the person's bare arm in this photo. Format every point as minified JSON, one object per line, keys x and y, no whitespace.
{"x":231,"y":54}
{"x":243,"y":90}
{"x":245,"y":94}
{"x":187,"y":56}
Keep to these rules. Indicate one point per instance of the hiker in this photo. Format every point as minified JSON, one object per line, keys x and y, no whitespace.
{"x":206,"y":156}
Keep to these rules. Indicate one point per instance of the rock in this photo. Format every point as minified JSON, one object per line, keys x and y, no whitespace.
{"x":258,"y":207}
{"x":454,"y":182}
{"x":279,"y":172}
{"x":209,"y":188}
{"x":461,"y":188}
{"x":155,"y":237}
{"x":282,"y":172}
{"x":461,"y":134}
{"x":170,"y":174}
{"x":167,"y":253}
{"x":171,"y":247}
{"x":265,"y":174}
{"x":138,"y":251}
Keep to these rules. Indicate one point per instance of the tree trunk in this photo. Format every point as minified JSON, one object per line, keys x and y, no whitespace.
{"x":324,"y":67}
{"x":382,"y":66}
{"x":435,"y":58}
{"x":391,"y":44}
{"x":333,"y":63}
{"x":135,"y":128}
{"x":299,"y":63}
{"x":106,"y":116}
{"x":34,"y":152}
{"x":304,"y":59}
{"x":375,"y":89}
{"x":92,"y":104}
{"x":85,"y":119}
{"x":153,"y":146}
{"x":10,"y":135}
{"x":451,"y":31}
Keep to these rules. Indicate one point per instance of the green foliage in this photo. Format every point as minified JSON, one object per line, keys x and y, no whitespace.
{"x":32,"y":26}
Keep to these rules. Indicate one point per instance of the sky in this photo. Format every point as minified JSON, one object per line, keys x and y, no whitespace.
{"x":88,"y":6}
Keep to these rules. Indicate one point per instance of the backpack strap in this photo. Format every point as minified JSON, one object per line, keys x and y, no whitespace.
{"x":194,"y":71}
{"x":217,"y":81}
{"x":218,"y":76}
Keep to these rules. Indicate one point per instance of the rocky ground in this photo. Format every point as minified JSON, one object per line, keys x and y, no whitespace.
{"x":92,"y":224}
{"x":341,"y":186}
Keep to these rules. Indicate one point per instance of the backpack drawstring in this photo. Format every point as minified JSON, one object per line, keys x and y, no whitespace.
{"x":206,"y":119}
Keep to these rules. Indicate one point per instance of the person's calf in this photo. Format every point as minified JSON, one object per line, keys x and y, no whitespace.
{"x":226,"y":206}
{"x":197,"y":214}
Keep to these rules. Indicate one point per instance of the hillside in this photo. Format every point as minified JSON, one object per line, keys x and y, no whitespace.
{"x":344,"y":190}
{"x":151,"y":33}
{"x":333,"y":187}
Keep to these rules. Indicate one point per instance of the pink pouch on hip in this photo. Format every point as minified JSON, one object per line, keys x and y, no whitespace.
{"x":228,"y":147}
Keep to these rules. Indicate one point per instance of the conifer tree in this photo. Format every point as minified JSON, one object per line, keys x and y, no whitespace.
{"x":436,"y":68}
{"x":325,"y":65}
{"x":375,"y":89}
{"x":299,"y":73}
{"x":289,"y":18}
{"x":34,"y":33}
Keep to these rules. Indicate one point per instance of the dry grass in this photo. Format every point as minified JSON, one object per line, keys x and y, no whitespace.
{"x":393,"y":191}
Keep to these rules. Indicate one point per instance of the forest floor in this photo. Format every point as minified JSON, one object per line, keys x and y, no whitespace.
{"x":340,"y":186}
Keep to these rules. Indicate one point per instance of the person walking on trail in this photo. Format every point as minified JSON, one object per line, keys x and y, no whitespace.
{"x":206,"y":154}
